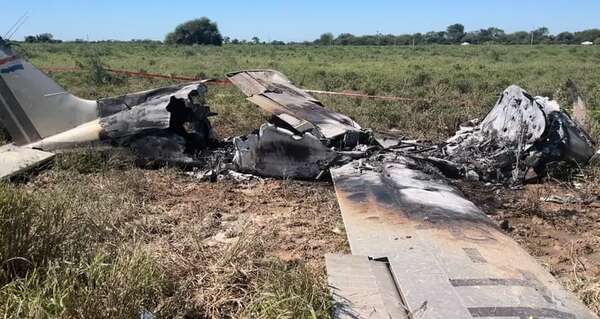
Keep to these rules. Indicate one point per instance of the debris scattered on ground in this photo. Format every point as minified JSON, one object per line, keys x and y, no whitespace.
{"x":229,"y":175}
{"x":566,"y":199}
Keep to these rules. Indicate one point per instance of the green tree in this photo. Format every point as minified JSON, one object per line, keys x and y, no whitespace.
{"x":41,"y":38}
{"x":345,"y":39}
{"x":565,"y":38}
{"x":587,"y":35}
{"x":435,"y":37}
{"x":256,"y":40}
{"x":540,"y":35}
{"x":198,"y":31}
{"x":519,"y":37}
{"x":455,"y":32}
{"x":326,"y":39}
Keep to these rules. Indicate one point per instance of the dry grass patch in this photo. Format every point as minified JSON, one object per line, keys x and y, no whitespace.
{"x":92,"y":239}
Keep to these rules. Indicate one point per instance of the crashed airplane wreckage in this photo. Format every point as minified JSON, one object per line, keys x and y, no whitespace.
{"x":167,"y":124}
{"x":419,"y":248}
{"x":519,"y":140}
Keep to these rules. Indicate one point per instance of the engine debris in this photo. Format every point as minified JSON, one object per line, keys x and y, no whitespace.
{"x":519,"y":140}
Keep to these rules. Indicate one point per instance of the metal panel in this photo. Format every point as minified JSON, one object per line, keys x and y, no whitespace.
{"x":274,"y":93}
{"x":14,"y":160}
{"x":278,"y":153}
{"x":48,"y":107}
{"x":448,"y":258}
{"x":363,"y":288}
{"x":14,"y":119}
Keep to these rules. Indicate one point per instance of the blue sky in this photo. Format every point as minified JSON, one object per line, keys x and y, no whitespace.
{"x":291,"y":20}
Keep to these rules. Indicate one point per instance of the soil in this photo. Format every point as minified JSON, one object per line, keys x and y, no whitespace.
{"x":300,"y":221}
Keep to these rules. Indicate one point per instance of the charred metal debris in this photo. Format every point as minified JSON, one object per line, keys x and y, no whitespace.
{"x":174,"y":122}
{"x":521,"y":139}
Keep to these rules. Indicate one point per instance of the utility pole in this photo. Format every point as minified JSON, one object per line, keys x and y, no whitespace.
{"x":531,"y":38}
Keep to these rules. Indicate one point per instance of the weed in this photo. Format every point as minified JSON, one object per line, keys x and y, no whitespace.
{"x":588,"y":291}
{"x":290,"y":291}
{"x":97,"y":73}
{"x":463,"y":85}
{"x":89,"y":160}
{"x":495,"y":55}
{"x":95,"y":210}
{"x":101,"y":287}
{"x":422,"y":78}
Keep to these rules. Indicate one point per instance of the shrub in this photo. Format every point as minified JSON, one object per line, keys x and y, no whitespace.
{"x":97,"y":73}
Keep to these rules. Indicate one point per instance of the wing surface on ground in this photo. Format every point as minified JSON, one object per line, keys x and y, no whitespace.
{"x":420,"y":248}
{"x":14,"y":159}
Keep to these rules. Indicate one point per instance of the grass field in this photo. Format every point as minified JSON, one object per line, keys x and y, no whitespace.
{"x":456,"y":83}
{"x":94,"y":236}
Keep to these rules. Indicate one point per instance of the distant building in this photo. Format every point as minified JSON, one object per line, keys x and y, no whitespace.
{"x":587,"y":43}
{"x":465,"y":43}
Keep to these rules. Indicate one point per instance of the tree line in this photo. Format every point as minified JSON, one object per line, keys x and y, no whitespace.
{"x":205,"y":31}
{"x":456,"y":34}
{"x":41,"y":38}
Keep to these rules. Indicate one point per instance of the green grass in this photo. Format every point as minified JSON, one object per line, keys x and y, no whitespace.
{"x":78,"y":241}
{"x":58,"y":258}
{"x":290,"y":291}
{"x":456,"y":82}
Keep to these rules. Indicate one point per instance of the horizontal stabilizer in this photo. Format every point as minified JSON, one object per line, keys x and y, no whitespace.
{"x":15,"y":160}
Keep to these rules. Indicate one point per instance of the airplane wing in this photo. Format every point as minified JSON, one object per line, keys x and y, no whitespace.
{"x":421,"y":250}
{"x":14,"y":159}
{"x":274,"y":93}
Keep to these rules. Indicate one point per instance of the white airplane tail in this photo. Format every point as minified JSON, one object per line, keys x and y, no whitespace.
{"x":32,"y":105}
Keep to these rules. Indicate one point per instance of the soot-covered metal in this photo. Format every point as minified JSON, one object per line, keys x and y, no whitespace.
{"x":521,"y":139}
{"x":168,"y":125}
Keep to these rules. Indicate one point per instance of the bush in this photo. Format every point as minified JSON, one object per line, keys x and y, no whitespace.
{"x":97,"y":73}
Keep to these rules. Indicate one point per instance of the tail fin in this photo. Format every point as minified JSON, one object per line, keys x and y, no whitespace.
{"x":32,"y":105}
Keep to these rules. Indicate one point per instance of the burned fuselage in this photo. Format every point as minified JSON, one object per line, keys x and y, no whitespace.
{"x":168,"y":124}
{"x":165,"y":125}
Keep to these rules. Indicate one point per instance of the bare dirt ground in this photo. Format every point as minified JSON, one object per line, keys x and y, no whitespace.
{"x":301,"y":220}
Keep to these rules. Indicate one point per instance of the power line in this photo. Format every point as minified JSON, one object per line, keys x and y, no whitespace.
{"x":17,"y":28}
{"x":16,"y":23}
